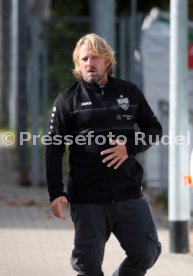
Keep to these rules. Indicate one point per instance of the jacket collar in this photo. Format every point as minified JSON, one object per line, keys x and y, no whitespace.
{"x":95,"y":86}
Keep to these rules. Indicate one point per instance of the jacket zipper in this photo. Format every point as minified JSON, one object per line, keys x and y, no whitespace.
{"x":111,"y":128}
{"x":107,"y":109}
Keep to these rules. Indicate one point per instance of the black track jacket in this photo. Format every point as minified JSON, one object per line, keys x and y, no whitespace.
{"x":87,"y":109}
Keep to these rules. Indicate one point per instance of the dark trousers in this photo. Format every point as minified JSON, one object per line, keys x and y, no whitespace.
{"x":132,"y":224}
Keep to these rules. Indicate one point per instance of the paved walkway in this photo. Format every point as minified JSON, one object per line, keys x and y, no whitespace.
{"x":33,"y":242}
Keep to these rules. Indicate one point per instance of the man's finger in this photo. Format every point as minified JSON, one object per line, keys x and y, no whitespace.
{"x":57,"y":207}
{"x":64,"y":200}
{"x":110,"y":150}
{"x":55,"y":210}
{"x":59,"y":212}
{"x":114,"y":161}
{"x":109,"y":157}
{"x":119,"y":163}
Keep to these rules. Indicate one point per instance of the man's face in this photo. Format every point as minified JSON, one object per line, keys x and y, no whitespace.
{"x":93,"y":67}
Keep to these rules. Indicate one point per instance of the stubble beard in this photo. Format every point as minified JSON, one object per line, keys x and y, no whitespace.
{"x":94,"y":79}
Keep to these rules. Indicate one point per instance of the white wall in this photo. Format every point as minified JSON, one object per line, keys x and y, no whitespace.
{"x":155,"y":68}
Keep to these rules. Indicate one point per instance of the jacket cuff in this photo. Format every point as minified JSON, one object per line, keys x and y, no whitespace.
{"x":52,"y":197}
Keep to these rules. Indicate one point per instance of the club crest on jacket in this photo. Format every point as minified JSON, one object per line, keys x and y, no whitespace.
{"x":123,"y":102}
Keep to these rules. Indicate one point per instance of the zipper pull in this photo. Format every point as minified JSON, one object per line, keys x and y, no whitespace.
{"x":102,"y":92}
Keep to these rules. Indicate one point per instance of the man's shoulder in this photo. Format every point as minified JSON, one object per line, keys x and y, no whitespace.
{"x":70,"y":91}
{"x":121,"y":82}
{"x":124,"y":83}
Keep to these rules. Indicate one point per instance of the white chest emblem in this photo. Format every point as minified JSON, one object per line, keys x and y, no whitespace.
{"x":123,"y":102}
{"x":86,"y":103}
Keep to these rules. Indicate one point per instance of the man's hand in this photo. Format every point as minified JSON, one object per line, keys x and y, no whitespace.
{"x":116,"y":155}
{"x":57,"y":206}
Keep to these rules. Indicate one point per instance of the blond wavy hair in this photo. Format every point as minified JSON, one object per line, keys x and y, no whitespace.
{"x":99,"y":46}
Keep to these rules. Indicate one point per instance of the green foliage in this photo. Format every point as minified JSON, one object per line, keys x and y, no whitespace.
{"x":124,"y":7}
{"x":162,"y":200}
{"x":62,"y":40}
{"x":190,"y":34}
{"x":69,"y":7}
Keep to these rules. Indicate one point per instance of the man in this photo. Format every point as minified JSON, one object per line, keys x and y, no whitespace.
{"x":97,"y":116}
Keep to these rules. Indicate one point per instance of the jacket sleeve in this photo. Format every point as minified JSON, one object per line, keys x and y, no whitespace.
{"x":58,"y":128}
{"x":149,"y":126}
